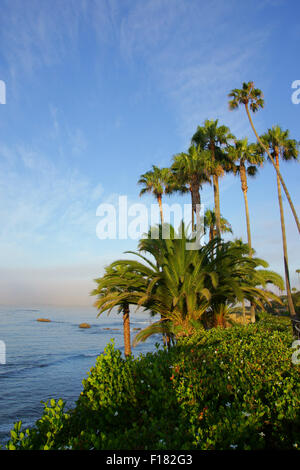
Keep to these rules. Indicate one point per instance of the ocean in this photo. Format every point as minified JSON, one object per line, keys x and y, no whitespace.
{"x":50,"y":360}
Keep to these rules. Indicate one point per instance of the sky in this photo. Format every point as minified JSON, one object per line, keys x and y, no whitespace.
{"x":97,"y":91}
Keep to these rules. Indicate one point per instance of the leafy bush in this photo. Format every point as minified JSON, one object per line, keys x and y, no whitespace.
{"x":234,"y":388}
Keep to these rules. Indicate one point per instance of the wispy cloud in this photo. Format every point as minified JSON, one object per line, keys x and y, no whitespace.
{"x":41,"y":203}
{"x":194,"y":55}
{"x":35,"y":35}
{"x":193,"y":52}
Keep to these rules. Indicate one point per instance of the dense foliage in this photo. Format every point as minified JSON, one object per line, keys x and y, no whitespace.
{"x":188,"y":288}
{"x":234,"y":388}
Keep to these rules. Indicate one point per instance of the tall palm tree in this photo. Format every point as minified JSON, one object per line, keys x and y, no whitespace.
{"x":252,"y":99}
{"x":245,"y":159}
{"x":156,"y":181}
{"x":279,"y":145}
{"x":190,"y":169}
{"x":214,"y":138}
{"x":210,"y":223}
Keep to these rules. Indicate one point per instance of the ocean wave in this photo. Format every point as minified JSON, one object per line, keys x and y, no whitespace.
{"x":6,"y":370}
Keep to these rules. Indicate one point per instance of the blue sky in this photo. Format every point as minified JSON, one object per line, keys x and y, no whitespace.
{"x":96,"y":92}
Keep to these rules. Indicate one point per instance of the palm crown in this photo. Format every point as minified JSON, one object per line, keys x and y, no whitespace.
{"x":155,"y":181}
{"x":280,"y":144}
{"x":191,"y":166}
{"x":213,"y":138}
{"x":244,"y":155}
{"x":191,"y":170}
{"x":210,"y":223}
{"x":248,"y":96}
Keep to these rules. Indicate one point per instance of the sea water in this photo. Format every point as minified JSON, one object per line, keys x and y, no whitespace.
{"x":49,"y":360}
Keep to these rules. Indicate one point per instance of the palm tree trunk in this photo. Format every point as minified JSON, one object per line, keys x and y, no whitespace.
{"x":245,"y":189}
{"x":284,"y":244}
{"x":160,"y":209}
{"x":217,"y":205}
{"x":193,"y":220}
{"x":216,"y":193}
{"x":277,"y":169}
{"x":244,"y":312}
{"x":126,"y":330}
{"x":195,"y":204}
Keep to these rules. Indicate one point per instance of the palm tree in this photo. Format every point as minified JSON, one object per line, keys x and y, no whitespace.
{"x":177,"y":285}
{"x":214,"y":138}
{"x":210,"y":223}
{"x":156,"y":181}
{"x":118,"y":288}
{"x":239,"y":278}
{"x":193,"y":285}
{"x":190,"y":170}
{"x":245,"y":159}
{"x":252,"y":99}
{"x":280,"y":146}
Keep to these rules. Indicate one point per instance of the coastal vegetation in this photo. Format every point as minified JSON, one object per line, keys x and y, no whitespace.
{"x":217,"y":383}
{"x":219,"y":389}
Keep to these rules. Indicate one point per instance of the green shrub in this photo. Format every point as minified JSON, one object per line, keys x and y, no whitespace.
{"x":46,"y":433}
{"x":234,"y":388}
